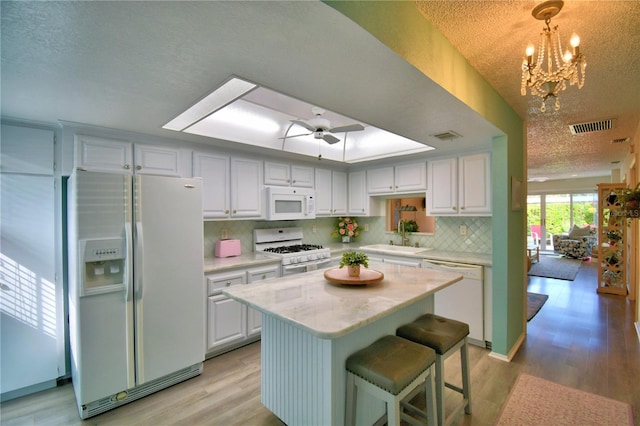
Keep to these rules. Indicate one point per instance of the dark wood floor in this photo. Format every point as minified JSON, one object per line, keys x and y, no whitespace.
{"x":579,"y":339}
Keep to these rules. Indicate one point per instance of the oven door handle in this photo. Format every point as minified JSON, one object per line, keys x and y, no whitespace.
{"x":303,"y":266}
{"x":294,"y":267}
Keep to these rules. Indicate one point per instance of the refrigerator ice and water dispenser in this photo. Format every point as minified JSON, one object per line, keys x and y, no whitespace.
{"x":104,"y":264}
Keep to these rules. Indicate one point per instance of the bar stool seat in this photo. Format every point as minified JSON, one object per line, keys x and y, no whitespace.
{"x":392,"y":369}
{"x":445,"y":336}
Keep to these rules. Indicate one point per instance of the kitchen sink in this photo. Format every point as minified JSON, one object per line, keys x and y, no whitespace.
{"x":392,"y":249}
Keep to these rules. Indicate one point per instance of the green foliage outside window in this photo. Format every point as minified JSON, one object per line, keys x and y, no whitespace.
{"x":559,"y":215}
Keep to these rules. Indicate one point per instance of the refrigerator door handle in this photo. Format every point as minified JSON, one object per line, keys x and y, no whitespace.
{"x":139,"y":260}
{"x":128,"y":282}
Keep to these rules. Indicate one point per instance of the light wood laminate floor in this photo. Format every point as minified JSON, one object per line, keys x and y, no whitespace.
{"x":579,"y":339}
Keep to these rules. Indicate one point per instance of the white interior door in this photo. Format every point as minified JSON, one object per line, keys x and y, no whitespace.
{"x":27,"y":279}
{"x":30,"y":315}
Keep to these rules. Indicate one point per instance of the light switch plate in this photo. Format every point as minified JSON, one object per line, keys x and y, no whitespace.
{"x":463,"y":229}
{"x":224,"y":234}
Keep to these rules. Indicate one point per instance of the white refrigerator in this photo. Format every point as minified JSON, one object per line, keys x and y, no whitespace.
{"x":136,"y":287}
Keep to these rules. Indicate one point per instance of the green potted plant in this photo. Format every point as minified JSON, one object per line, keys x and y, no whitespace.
{"x":630,"y":201}
{"x":352,"y":260}
{"x":613,"y":237}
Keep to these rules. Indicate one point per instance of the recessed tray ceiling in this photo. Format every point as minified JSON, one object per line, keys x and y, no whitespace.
{"x":243,"y":112}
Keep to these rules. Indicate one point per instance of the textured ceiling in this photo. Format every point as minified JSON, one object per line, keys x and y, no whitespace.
{"x":492,"y":35}
{"x":136,"y":65}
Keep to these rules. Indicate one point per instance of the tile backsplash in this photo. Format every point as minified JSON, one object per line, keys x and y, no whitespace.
{"x":318,"y":231}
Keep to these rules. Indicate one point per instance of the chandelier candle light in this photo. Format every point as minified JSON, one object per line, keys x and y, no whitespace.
{"x":568,"y":67}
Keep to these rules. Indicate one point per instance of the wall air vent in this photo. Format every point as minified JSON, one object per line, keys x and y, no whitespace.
{"x":594,"y":126}
{"x":448,"y":135}
{"x":621,"y":140}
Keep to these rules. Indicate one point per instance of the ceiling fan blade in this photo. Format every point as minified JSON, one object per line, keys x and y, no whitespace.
{"x":350,"y":128}
{"x":296,"y":136}
{"x":304,"y":124}
{"x":330,"y":139}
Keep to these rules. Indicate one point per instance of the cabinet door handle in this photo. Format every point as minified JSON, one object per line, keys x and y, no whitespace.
{"x":126,"y":167}
{"x":138,"y":167}
{"x":234,"y":212}
{"x":226,"y":211}
{"x":228,"y":283}
{"x":462,"y":208}
{"x":454,"y":208}
{"x":264,"y":276}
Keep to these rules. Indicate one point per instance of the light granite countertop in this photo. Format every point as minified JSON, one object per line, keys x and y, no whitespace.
{"x":471,"y":258}
{"x":329,"y":310}
{"x":249,"y":260}
{"x":458,"y":256}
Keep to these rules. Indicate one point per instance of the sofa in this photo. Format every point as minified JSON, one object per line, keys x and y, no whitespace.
{"x":578,"y":243}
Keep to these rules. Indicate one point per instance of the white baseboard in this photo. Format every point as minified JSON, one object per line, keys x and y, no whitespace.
{"x":512,"y":352}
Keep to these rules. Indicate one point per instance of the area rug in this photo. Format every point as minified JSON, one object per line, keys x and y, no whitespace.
{"x":534,"y":303}
{"x":558,"y":267}
{"x":535,"y":401}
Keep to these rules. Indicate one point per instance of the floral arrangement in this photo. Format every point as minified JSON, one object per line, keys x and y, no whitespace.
{"x":346,"y":227}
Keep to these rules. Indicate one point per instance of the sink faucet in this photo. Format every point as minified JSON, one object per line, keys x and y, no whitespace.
{"x":401,"y":231}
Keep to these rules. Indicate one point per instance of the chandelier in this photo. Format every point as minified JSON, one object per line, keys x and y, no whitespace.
{"x":550,"y":81}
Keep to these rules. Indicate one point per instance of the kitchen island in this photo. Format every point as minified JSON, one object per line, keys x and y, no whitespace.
{"x":311,"y":326}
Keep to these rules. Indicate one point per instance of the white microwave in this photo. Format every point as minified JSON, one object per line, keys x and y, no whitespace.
{"x":285,"y":203}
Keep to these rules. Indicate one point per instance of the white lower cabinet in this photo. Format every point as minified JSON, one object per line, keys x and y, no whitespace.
{"x":231,"y":324}
{"x":254,"y":317}
{"x":227,"y":322}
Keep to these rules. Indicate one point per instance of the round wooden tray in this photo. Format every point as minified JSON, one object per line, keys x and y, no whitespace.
{"x":341,"y":276}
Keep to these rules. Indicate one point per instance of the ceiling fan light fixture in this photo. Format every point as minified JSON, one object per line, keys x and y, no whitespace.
{"x":560,"y":67}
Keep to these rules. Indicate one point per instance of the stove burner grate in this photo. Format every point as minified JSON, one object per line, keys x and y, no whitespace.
{"x":293,"y":249}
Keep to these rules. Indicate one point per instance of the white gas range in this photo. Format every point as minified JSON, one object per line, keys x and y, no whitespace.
{"x":286,"y":243}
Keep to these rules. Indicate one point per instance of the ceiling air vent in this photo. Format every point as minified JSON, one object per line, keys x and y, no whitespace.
{"x":594,"y":126}
{"x":621,"y":140}
{"x":448,"y":135}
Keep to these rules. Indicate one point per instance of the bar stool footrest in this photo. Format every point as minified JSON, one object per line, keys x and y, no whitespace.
{"x":454,"y":387}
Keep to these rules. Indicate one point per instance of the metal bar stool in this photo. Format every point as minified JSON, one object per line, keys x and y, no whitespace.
{"x":445,"y":336}
{"x":392,"y":369}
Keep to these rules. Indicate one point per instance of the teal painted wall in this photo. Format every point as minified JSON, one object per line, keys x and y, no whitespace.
{"x":401,"y":27}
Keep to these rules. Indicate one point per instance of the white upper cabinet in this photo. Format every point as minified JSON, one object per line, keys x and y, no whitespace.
{"x":443,"y":187}
{"x":331,"y":192}
{"x":116,"y":156}
{"x":214,"y":171}
{"x":474,"y":188}
{"x":358,"y":196}
{"x":401,"y":178}
{"x":288,"y":175}
{"x":460,"y":186}
{"x":154,"y":160}
{"x":232,"y":187}
{"x":26,"y":150}
{"x":103,"y":155}
{"x":380,"y":181}
{"x":246,"y":188}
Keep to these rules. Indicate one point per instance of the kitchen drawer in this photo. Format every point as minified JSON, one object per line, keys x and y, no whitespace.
{"x":215,"y":283}
{"x":260,"y":274}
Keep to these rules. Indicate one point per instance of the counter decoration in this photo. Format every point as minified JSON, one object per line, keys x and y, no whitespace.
{"x":352,"y":260}
{"x":346,"y":228}
{"x":630,"y":201}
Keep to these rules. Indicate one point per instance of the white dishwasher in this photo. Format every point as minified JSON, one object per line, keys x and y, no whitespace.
{"x":462,"y":301}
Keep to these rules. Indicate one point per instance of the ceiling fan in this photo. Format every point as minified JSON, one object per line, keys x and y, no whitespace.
{"x":319,"y":126}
